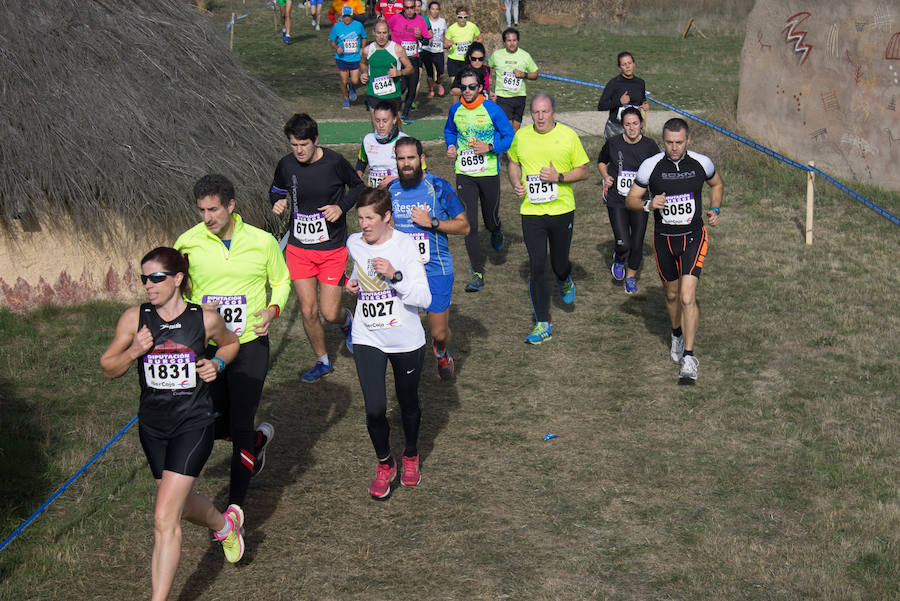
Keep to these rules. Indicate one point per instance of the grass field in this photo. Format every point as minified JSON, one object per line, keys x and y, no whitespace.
{"x":775,"y":477}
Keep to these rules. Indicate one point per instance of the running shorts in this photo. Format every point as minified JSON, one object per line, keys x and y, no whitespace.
{"x":326,"y":265}
{"x":441,"y":287}
{"x":513,"y":107}
{"x":346,"y":65}
{"x":454,"y":67}
{"x":677,"y":256}
{"x":185,"y":453}
{"x":315,"y":2}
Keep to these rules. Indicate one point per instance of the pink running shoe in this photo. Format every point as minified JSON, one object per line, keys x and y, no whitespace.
{"x":381,"y":485}
{"x":411,"y":474}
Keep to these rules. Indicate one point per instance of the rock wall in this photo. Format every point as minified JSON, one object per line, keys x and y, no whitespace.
{"x":821,"y":81}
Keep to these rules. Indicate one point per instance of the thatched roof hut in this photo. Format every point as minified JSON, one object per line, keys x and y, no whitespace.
{"x":109,"y":112}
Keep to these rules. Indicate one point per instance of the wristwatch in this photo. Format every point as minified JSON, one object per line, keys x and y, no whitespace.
{"x":561,"y":179}
{"x":435,"y":223}
{"x":398,"y":277}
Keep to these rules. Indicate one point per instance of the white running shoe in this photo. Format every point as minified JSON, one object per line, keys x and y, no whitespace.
{"x":677,"y":350}
{"x":689,"y":365}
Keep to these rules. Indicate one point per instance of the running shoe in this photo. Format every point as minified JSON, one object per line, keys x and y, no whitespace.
{"x":267,"y":431}
{"x":381,"y":485}
{"x":618,"y":268}
{"x":352,"y":93}
{"x":313,"y":22}
{"x":677,"y":350}
{"x":317,"y":27}
{"x":477,"y":282}
{"x":318,"y":371}
{"x":567,"y":290}
{"x":233,"y":543}
{"x":445,"y":364}
{"x":345,"y":104}
{"x":540,"y":333}
{"x":348,"y":333}
{"x":413,"y":107}
{"x":440,"y":90}
{"x":285,"y":38}
{"x":689,"y":365}
{"x":410,"y":476}
{"x":497,"y":239}
{"x":406,"y":120}
{"x":630,"y":286}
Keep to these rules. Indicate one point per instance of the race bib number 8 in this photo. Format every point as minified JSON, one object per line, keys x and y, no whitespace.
{"x":233,"y":310}
{"x":511,"y":82}
{"x":384,"y":85}
{"x":678,"y":210}
{"x":379,"y":309}
{"x":539,"y":191}
{"x":471,"y":162}
{"x":624,"y":181}
{"x":351,"y":45}
{"x":170,"y":371}
{"x":310,"y":229}
{"x":423,"y":246}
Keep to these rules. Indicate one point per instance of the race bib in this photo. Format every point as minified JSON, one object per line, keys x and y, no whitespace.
{"x":170,"y":371}
{"x":310,"y":229}
{"x":379,"y":309}
{"x":539,"y":191}
{"x":469,"y":161}
{"x":511,"y":82}
{"x":462,"y":48}
{"x":411,"y":48}
{"x":384,"y":85}
{"x":437,"y":40}
{"x":422,"y":245}
{"x":351,"y":45}
{"x":624,"y":181}
{"x":233,"y":310}
{"x":376,"y":176}
{"x":678,"y":210}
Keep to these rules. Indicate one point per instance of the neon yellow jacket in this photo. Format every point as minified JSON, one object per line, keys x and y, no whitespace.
{"x":243,"y":270}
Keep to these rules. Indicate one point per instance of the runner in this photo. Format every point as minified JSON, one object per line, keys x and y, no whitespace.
{"x":618,"y":162}
{"x":166,"y":337}
{"x":622,"y":91}
{"x":315,"y":10}
{"x":476,"y":60}
{"x":408,"y":29}
{"x":347,"y":37}
{"x":457,"y":39}
{"x":475,"y":133}
{"x":382,"y":65}
{"x":285,"y":20}
{"x":389,"y":283}
{"x":675,"y":180}
{"x":544,"y":160}
{"x":512,"y":66}
{"x":433,"y":53}
{"x":321,"y":187}
{"x":514,"y":5}
{"x":377,"y":149}
{"x":427,"y":208}
{"x":231,"y":264}
{"x":357,"y":10}
{"x":385,"y":9}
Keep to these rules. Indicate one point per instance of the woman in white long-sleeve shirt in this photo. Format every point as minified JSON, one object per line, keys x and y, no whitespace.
{"x":390,"y":285}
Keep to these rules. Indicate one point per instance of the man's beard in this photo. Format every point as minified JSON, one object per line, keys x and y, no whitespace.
{"x":411,"y":181}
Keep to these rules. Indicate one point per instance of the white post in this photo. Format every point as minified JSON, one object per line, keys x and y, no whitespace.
{"x":231,"y":40}
{"x":810,"y":197}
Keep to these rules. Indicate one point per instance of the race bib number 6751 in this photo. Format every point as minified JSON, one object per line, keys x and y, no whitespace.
{"x":539,"y":191}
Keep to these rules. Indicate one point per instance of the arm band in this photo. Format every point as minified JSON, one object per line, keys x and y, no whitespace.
{"x":277,"y":310}
{"x":221,"y":364}
{"x":716,"y":209}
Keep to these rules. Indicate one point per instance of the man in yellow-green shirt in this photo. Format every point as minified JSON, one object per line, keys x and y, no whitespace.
{"x":544,"y":160}
{"x":457,"y":39}
{"x":230,"y":264}
{"x":512,"y":66}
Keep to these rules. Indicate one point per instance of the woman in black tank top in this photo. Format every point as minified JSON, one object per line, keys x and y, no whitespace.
{"x":166,"y":337}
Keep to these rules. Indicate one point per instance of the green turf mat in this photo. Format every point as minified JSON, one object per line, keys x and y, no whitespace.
{"x":346,"y":132}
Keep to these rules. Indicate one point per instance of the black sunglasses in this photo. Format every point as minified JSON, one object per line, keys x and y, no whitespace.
{"x":476,"y":58}
{"x":157,"y":277}
{"x":469,"y":86}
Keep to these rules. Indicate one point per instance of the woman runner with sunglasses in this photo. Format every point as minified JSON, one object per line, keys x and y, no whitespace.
{"x":167,"y":337}
{"x":476,"y":60}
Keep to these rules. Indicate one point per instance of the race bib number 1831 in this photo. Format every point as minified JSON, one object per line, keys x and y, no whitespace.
{"x":170,"y":371}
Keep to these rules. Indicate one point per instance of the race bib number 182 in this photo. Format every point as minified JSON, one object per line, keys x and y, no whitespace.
{"x":233,"y":310}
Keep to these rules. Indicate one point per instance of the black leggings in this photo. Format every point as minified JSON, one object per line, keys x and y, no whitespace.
{"x":470,"y":189}
{"x":371,"y":363}
{"x":539,"y":231}
{"x":434,"y":64}
{"x":236,"y":393}
{"x":411,"y":82}
{"x":628,"y":228}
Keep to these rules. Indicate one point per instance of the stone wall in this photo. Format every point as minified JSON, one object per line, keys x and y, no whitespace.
{"x":821,"y":81}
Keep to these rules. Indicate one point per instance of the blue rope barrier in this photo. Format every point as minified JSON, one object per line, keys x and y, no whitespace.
{"x":62,"y":488}
{"x":755,"y":145}
{"x":231,"y":22}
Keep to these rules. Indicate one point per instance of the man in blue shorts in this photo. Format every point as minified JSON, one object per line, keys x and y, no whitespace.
{"x":315,"y":9}
{"x":347,"y":37}
{"x":426,"y":207}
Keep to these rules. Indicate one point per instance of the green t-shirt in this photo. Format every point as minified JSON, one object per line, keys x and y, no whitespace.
{"x":461,"y":38}
{"x":504,"y":64}
{"x":380,"y":62}
{"x":533,"y":151}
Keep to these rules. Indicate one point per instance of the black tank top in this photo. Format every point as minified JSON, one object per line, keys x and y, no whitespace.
{"x":173,"y":398}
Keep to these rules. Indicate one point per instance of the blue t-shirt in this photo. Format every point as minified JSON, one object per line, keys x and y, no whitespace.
{"x":351,"y":37}
{"x":436,"y":196}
